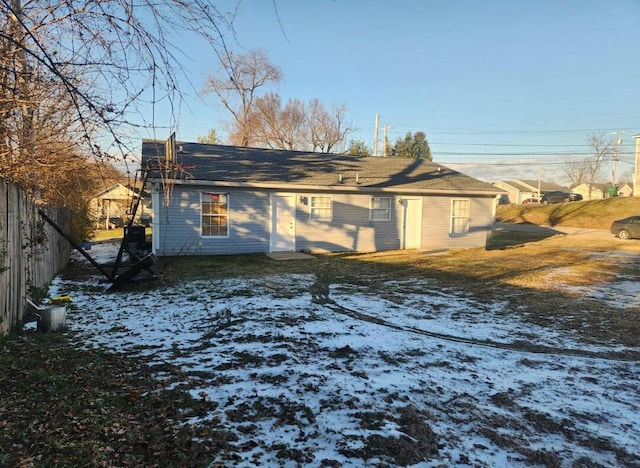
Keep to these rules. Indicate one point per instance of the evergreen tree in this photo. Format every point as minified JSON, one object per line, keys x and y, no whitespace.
{"x":210,"y":139}
{"x":358,"y":148}
{"x":412,"y":146}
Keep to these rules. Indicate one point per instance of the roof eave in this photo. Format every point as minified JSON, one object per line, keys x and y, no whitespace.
{"x":328,"y":188}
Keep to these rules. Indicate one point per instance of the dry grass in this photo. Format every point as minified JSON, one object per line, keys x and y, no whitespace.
{"x":594,"y":214}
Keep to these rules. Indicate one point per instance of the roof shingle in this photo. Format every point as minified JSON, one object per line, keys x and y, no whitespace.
{"x":276,"y":167}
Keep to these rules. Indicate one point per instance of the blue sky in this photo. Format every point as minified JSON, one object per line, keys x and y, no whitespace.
{"x":501,"y":88}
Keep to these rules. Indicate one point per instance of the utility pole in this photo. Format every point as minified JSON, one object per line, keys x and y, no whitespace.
{"x":636,"y":175}
{"x":384,"y":139}
{"x":615,"y":158}
{"x":375,"y":139}
{"x":539,"y":182}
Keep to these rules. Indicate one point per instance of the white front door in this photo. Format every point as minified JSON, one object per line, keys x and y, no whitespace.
{"x":412,"y":223}
{"x":283,"y":223}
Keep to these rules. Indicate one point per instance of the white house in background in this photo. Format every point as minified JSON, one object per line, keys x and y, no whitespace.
{"x":111,"y":207}
{"x":600,"y":191}
{"x":520,"y":190}
{"x":625,"y":190}
{"x":592,"y":192}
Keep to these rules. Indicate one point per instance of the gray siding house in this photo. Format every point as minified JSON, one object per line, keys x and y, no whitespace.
{"x":214,"y":199}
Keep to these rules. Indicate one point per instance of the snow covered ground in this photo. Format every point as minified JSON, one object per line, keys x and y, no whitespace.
{"x":350,"y":378}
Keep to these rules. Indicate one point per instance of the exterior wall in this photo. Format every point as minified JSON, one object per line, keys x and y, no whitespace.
{"x":512,"y":192}
{"x":350,"y":229}
{"x":625,"y":191}
{"x":176,"y":228}
{"x":516,"y":195}
{"x":583,"y":189}
{"x":436,"y":228}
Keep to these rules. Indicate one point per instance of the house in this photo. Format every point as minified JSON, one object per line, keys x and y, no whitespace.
{"x":592,"y":191}
{"x":625,"y":190}
{"x":599,"y":191}
{"x":520,"y":190}
{"x":111,"y":207}
{"x":214,"y":199}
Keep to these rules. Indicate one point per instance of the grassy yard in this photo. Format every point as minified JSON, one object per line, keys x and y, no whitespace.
{"x":61,"y":405}
{"x":594,"y":214}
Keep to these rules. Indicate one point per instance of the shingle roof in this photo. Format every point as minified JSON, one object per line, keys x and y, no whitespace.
{"x":258,"y":166}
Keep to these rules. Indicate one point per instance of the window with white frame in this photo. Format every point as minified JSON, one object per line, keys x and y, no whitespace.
{"x":321,"y":208}
{"x":459,"y":217}
{"x":380,"y":209}
{"x":215,"y":214}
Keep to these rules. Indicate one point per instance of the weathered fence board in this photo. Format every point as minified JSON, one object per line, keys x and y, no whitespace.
{"x":31,"y":251}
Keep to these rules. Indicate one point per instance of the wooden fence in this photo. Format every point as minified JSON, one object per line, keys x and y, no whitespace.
{"x":31,"y":251}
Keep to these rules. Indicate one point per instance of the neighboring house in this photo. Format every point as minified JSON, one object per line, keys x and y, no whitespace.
{"x":599,"y":191}
{"x":625,"y":190}
{"x":231,"y":200}
{"x":110,"y":208}
{"x":520,"y":190}
{"x":592,"y":192}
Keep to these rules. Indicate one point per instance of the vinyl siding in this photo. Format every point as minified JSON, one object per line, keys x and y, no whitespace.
{"x":350,"y":229}
{"x":177,"y":227}
{"x":436,"y":228}
{"x":248,"y":224}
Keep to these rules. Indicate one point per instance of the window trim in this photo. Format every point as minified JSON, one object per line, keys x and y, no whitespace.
{"x":455,"y":217}
{"x":202,"y":215}
{"x":311,"y":208}
{"x":377,"y":210}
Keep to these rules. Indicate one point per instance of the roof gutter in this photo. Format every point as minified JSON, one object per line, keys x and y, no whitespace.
{"x":327,"y":188}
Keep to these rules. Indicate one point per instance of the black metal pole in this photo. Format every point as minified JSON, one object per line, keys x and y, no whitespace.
{"x":75,"y":245}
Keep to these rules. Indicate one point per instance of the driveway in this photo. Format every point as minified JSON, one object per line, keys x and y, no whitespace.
{"x":569,"y":231}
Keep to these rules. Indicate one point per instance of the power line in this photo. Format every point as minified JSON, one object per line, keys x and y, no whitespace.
{"x":514,"y":132}
{"x":503,"y":164}
{"x":530,"y":163}
{"x":534,"y":153}
{"x":510,"y":144}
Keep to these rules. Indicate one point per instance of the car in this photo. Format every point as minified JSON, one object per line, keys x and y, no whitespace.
{"x":560,"y":196}
{"x":531,"y":201}
{"x":626,"y":228}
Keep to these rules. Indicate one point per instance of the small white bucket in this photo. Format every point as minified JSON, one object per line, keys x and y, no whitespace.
{"x":52,"y":318}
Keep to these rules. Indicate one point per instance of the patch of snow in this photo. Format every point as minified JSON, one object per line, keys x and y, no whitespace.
{"x":250,"y":344}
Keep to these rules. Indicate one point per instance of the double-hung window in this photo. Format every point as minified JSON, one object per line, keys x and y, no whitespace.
{"x":321,"y":208}
{"x":380,"y":209}
{"x":215,"y":214}
{"x":459,"y":217}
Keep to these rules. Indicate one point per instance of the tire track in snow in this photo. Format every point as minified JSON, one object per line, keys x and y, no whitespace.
{"x":320,"y":295}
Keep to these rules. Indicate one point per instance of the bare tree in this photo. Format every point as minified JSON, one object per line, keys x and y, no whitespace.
{"x":238,"y":79}
{"x":587,"y":170}
{"x":327,"y":128}
{"x":78,"y":78}
{"x":109,"y":57}
{"x":576,"y":170}
{"x":279,"y":127}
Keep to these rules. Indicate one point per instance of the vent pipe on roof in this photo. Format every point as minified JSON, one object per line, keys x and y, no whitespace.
{"x":357,"y":178}
{"x":340,"y":178}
